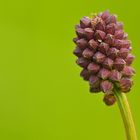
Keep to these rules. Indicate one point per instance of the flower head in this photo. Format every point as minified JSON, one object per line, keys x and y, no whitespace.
{"x":104,"y":53}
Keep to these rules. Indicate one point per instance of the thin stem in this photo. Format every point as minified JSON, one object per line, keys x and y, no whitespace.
{"x":126,"y":115}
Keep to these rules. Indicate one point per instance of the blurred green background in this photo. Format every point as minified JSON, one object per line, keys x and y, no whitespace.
{"x":42,"y":96}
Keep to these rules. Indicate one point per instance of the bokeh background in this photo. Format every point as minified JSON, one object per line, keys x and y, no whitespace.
{"x":42,"y":96}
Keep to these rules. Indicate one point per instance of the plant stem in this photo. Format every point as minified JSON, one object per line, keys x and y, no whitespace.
{"x":126,"y":115}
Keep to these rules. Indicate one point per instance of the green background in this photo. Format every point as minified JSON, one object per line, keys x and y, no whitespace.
{"x":42,"y":96}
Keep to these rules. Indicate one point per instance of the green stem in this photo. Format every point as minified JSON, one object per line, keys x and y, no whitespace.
{"x":126,"y":115}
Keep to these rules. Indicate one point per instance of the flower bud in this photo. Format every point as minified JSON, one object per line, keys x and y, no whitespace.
{"x":129,"y":59}
{"x":112,"y":53}
{"x":128,"y":71}
{"x":119,"y":26}
{"x":89,"y":33}
{"x":126,"y":84}
{"x":93,"y":68}
{"x":104,"y":73}
{"x":123,"y":52}
{"x":94,"y":81}
{"x":85,"y":74}
{"x":99,"y":57}
{"x":82,"y":43}
{"x":103,"y":47}
{"x":108,"y":63}
{"x":119,"y":64}
{"x":77,"y":52}
{"x":82,"y":62}
{"x":110,"y":29}
{"x":111,"y":19}
{"x":95,"y":21}
{"x":117,"y":43}
{"x":115,"y":75}
{"x":87,"y":53}
{"x":122,"y":43}
{"x":85,"y":22}
{"x":106,"y":86}
{"x":80,"y":32}
{"x":93,"y":44}
{"x":109,"y":39}
{"x":105,"y":15}
{"x":125,"y":44}
{"x":100,"y":26}
{"x":119,"y":34}
{"x":109,"y":99}
{"x":100,"y":35}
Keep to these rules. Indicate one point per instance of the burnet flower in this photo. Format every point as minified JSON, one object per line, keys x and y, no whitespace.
{"x":104,"y":53}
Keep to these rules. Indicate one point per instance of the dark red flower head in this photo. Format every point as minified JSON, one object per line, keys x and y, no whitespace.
{"x":103,"y":52}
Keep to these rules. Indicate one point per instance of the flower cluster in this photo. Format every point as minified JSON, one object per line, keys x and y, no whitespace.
{"x":103,"y":52}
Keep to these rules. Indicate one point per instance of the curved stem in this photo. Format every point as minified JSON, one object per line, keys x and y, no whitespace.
{"x":126,"y":115}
